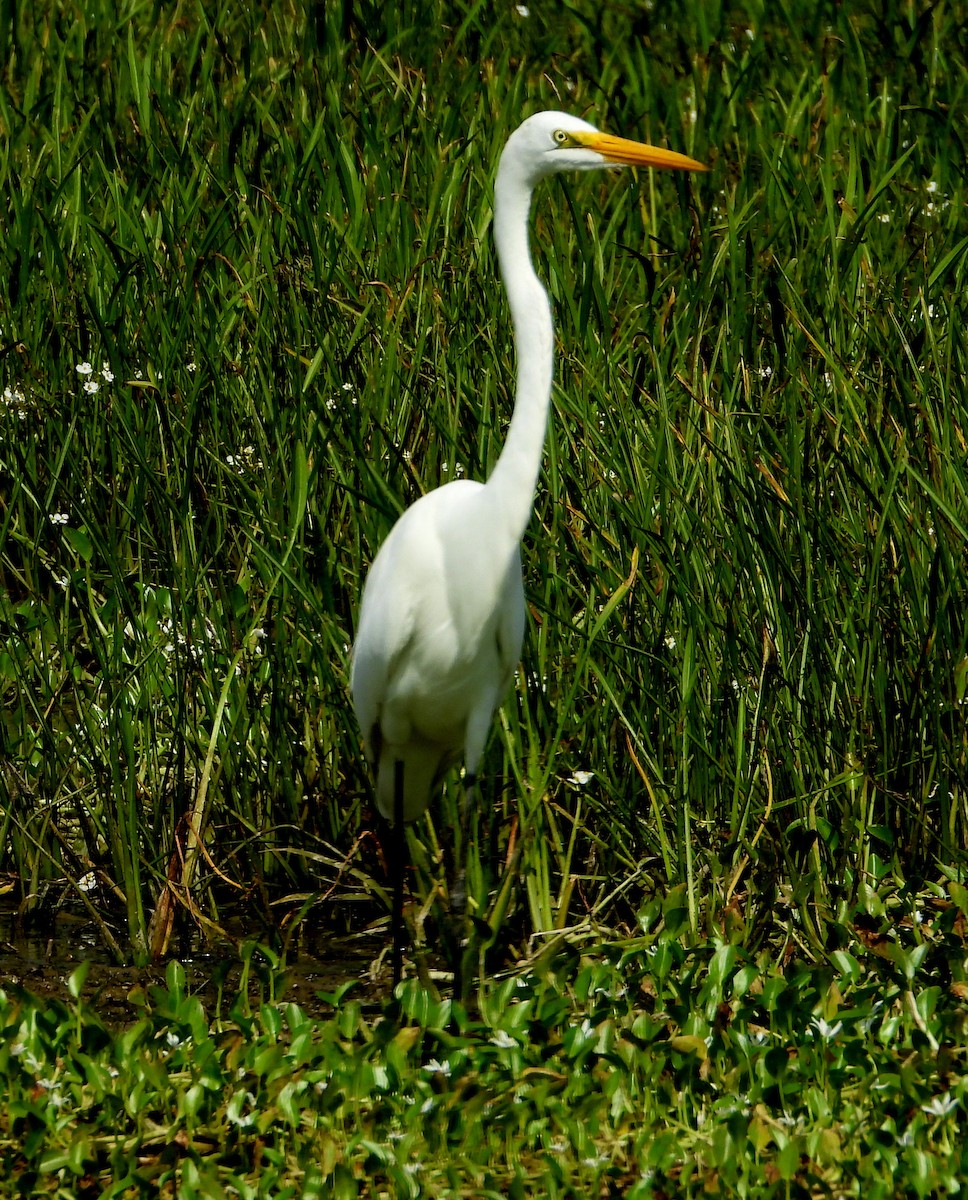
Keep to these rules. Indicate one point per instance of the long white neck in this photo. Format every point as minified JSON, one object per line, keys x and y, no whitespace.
{"x":515,"y":474}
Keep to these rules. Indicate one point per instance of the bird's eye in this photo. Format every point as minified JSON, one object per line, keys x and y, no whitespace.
{"x":561,"y":137}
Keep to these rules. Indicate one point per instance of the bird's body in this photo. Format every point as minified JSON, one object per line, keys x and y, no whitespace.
{"x":442,"y":617}
{"x":419,"y":621}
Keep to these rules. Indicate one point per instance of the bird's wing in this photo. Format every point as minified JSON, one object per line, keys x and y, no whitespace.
{"x":385,"y":629}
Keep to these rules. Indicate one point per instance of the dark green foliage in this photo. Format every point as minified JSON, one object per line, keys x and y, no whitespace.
{"x":639,"y":1069}
{"x":267,"y":232}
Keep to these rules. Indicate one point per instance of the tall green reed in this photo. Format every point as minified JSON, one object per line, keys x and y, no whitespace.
{"x":745,"y":667}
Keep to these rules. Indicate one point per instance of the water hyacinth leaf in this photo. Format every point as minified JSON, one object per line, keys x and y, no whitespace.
{"x":907,"y":959}
{"x":75,"y":981}
{"x":271,"y":1019}
{"x":192,"y":1103}
{"x":959,"y":895}
{"x":788,"y":1159}
{"x":689,"y":1044}
{"x":847,"y":965}
{"x":771,"y":992}
{"x":407,"y":1038}
{"x":744,"y":979}
{"x":662,"y":960}
{"x":721,"y":966}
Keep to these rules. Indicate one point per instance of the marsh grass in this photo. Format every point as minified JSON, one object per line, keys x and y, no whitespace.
{"x":248,"y":312}
{"x":269,"y":237}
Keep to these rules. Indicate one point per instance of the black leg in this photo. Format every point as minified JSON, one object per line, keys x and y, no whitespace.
{"x":399,"y":857}
{"x":457,"y":871}
{"x":462,"y":931}
{"x":470,"y":787}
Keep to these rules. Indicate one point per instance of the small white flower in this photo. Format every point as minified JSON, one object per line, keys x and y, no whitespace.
{"x":582,"y":778}
{"x":883,"y":218}
{"x":827,"y":1032}
{"x":932,"y":186}
{"x":503,"y":1040}
{"x":88,"y":882}
{"x":58,"y":518}
{"x":940,"y":1106}
{"x":91,"y":386}
{"x":106,"y":373}
{"x":191,"y":367}
{"x":435,"y":1067}
{"x":670,"y":642}
{"x":245,"y":460}
{"x":522,"y":10}
{"x":84,"y":368}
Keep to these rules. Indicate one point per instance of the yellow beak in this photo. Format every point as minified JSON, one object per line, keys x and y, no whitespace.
{"x":636,"y":154}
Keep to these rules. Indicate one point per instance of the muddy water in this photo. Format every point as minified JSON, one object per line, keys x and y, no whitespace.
{"x":41,"y":961}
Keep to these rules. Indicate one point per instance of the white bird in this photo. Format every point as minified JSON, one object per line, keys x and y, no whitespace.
{"x":442,"y":618}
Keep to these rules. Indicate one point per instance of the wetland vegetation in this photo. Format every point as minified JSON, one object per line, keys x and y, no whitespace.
{"x":248,"y":311}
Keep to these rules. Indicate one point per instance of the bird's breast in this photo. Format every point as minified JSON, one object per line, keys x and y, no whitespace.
{"x":442,"y":619}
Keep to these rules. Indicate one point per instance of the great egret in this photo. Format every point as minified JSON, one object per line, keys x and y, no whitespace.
{"x":442,"y":617}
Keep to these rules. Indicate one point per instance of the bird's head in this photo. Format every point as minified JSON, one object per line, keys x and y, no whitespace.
{"x":549,"y":142}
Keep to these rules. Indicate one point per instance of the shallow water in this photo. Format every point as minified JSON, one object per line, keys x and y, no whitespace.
{"x":42,"y":960}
